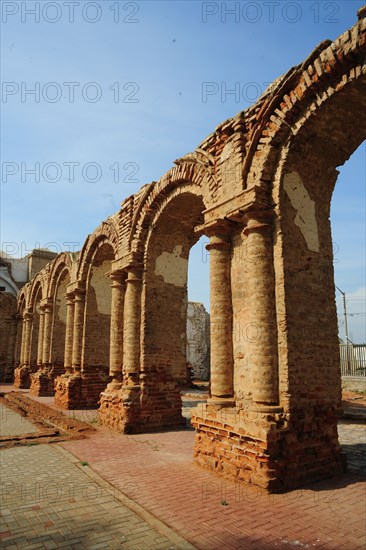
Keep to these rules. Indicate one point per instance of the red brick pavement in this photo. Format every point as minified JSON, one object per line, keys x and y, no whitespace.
{"x":157,"y":471}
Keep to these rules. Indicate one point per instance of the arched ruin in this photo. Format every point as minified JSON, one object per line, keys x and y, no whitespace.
{"x":113,"y":317}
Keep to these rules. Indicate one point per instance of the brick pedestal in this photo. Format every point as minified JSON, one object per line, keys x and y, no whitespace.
{"x":42,"y":384}
{"x":265,"y":448}
{"x":120,"y":408}
{"x":143,"y":408}
{"x":81,"y":391}
{"x":22,"y":376}
{"x":43,"y":381}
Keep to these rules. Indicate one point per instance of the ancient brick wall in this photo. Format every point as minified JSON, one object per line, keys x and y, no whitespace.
{"x":8,"y":329}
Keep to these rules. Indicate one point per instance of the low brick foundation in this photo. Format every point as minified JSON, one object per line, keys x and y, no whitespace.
{"x":22,"y":376}
{"x":145,"y":408}
{"x":43,"y":381}
{"x":81,"y":391}
{"x":266,"y":449}
{"x":42,"y":384}
{"x":120,"y":409}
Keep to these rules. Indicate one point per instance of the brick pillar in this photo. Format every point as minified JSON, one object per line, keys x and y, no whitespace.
{"x":131,"y":329}
{"x":47,"y":333}
{"x":116,"y":330}
{"x":28,"y":319}
{"x":120,"y":402}
{"x":18,"y":341}
{"x":79,"y":306}
{"x":22,"y":339}
{"x":69,"y":333}
{"x":220,"y":318}
{"x":261,"y":290}
{"x":40,"y":338}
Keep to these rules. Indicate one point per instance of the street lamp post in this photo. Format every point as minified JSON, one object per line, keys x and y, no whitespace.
{"x":345,"y":326}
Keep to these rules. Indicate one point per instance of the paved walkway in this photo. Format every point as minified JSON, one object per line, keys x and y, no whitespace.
{"x":12,"y":423}
{"x":156,"y":472}
{"x":50,"y":500}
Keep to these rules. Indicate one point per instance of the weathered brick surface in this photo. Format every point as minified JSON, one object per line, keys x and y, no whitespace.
{"x":8,"y":329}
{"x":259,"y":188}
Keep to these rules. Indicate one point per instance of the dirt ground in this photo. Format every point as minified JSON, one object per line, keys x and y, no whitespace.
{"x":353,"y":399}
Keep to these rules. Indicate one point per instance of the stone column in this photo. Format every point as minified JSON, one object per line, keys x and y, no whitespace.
{"x":28,"y":320}
{"x":40,"y":338}
{"x":131,"y":328}
{"x":261,"y":292}
{"x":220,"y":318}
{"x":22,"y":341}
{"x":47,"y":333}
{"x":69,"y":333}
{"x":18,"y":342}
{"x":116,"y":330}
{"x":79,"y":306}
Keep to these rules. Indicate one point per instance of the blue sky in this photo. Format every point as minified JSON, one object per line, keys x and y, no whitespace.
{"x":138,"y":102}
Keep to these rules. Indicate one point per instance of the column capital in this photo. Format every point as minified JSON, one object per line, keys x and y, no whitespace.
{"x":28,"y":316}
{"x":134,"y":274}
{"x":258,"y":220}
{"x":69,"y":296}
{"x":46,"y":304}
{"x":79,"y":294}
{"x":117,"y":278}
{"x":218,"y":228}
{"x":218,"y":242}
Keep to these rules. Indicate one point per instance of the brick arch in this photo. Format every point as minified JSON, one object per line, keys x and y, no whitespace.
{"x":38,"y":288}
{"x":22,"y":299}
{"x":298,"y":95}
{"x":166,"y":245}
{"x":60,"y":267}
{"x":163,"y":202}
{"x":106,"y":233}
{"x":189,"y":171}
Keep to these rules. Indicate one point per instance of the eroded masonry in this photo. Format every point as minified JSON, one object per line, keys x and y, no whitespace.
{"x":107,"y":326}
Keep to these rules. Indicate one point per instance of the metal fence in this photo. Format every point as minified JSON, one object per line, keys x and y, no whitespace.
{"x":353,"y":359}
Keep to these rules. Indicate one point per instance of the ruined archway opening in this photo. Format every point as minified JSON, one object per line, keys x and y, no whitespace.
{"x":348,"y":241}
{"x":97,"y":319}
{"x":198,"y":315}
{"x":165,"y":306}
{"x":57,"y":352}
{"x":36,"y":340}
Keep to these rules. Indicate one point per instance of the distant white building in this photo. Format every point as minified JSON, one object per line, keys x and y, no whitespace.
{"x":15,"y":272}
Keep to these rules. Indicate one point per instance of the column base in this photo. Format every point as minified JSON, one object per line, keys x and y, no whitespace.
{"x":22,"y":378}
{"x":120,"y":408}
{"x":42,"y":384}
{"x":264,"y":409}
{"x":221,"y":402}
{"x":277,"y":452}
{"x":68,"y":392}
{"x":81,"y":390}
